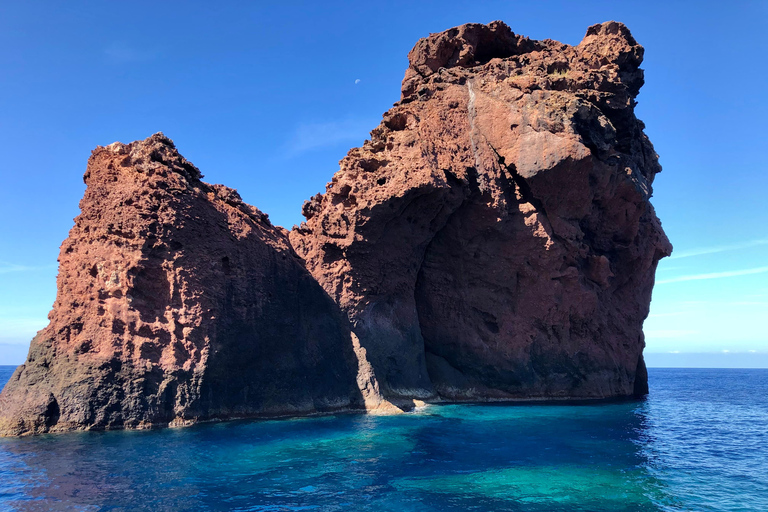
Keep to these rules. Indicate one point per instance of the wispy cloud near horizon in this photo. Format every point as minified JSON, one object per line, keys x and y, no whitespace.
{"x":715,"y":275}
{"x":311,"y":136}
{"x":719,"y":248}
{"x":668,"y":333}
{"x":7,"y":267}
{"x":21,"y":327}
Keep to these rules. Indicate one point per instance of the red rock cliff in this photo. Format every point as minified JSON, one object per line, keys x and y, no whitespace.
{"x":494,"y":238}
{"x":176,"y":303}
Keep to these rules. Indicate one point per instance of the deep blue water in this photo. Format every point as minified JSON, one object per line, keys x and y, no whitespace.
{"x":699,"y":442}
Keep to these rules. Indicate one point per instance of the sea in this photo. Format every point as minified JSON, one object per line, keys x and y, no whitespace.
{"x":698,"y":442}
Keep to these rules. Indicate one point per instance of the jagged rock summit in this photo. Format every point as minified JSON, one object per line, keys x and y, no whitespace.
{"x":176,"y":303}
{"x":493,"y":240}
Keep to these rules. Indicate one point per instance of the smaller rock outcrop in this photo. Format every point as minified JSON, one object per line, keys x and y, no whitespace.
{"x":177,"y":303}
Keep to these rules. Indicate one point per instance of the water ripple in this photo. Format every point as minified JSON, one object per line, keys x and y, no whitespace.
{"x":697,"y":443}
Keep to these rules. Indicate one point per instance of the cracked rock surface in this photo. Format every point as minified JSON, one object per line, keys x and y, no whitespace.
{"x":494,"y":239}
{"x":176,"y":303}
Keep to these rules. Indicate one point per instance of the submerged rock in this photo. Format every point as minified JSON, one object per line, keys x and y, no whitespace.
{"x":494,"y":239}
{"x":177,"y":303}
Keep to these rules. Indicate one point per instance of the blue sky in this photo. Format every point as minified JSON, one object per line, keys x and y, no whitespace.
{"x":267,"y":98}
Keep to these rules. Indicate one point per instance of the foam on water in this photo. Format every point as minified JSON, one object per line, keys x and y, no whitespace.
{"x":699,"y":442}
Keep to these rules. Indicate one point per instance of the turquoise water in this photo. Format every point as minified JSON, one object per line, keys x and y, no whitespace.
{"x":699,"y":442}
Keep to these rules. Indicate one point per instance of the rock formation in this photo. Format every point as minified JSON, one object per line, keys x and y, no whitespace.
{"x":494,"y":239}
{"x":177,"y":303}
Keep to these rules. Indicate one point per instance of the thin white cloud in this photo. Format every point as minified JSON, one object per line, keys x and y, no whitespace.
{"x":660,"y":315}
{"x":119,"y":52}
{"x":666,"y":268}
{"x":7,"y":267}
{"x":719,"y":248}
{"x":668,"y":333}
{"x":715,"y":275}
{"x":310,"y":136}
{"x":709,"y":303}
{"x":15,"y":327}
{"x":16,"y":340}
{"x":759,"y":294}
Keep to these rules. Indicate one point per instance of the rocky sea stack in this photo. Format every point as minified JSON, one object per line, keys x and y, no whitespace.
{"x":176,"y":303}
{"x":493,"y":240}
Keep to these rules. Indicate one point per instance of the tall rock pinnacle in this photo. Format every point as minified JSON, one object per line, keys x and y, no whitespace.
{"x":494,"y":238}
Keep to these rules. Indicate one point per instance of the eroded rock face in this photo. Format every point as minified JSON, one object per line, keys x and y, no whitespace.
{"x":494,"y":238}
{"x":177,"y":303}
